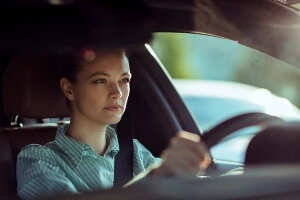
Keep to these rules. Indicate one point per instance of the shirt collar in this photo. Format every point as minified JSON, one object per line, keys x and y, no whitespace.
{"x":112,"y":140}
{"x":75,"y":149}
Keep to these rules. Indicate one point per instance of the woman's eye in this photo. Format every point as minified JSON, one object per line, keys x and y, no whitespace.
{"x":125,"y":80}
{"x":100,"y":81}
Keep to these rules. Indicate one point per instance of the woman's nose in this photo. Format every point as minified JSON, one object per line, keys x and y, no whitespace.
{"x":116,"y":91}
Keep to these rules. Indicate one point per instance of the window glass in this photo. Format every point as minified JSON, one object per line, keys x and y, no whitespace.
{"x":218,"y":78}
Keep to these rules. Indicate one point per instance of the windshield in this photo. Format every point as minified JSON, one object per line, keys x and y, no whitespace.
{"x":202,"y":57}
{"x":219,"y":78}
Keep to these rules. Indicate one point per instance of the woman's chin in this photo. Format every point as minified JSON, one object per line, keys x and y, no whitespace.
{"x":109,"y":119}
{"x":115,"y":120}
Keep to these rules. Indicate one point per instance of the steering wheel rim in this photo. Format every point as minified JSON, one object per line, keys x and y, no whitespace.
{"x":229,"y":126}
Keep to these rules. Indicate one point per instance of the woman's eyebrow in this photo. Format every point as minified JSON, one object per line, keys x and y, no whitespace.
{"x":98,"y":73}
{"x":126,"y":73}
{"x":105,"y":74}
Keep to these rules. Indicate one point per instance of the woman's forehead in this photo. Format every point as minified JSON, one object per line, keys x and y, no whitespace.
{"x":106,"y":62}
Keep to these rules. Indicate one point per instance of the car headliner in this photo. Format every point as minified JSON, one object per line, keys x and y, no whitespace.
{"x":264,"y":25}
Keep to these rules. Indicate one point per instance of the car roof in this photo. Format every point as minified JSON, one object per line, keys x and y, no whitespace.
{"x":62,"y":27}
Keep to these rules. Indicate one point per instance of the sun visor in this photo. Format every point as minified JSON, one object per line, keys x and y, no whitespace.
{"x":47,"y":28}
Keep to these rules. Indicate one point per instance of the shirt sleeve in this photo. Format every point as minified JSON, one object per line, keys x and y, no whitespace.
{"x":39,"y":176}
{"x":142,"y":158}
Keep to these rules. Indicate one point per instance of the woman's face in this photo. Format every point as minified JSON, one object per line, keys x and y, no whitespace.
{"x":101,"y":91}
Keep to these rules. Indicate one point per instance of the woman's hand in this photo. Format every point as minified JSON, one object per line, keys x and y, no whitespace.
{"x":184,"y":156}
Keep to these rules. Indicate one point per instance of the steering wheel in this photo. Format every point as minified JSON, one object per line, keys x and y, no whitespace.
{"x":233,"y":124}
{"x":229,"y":126}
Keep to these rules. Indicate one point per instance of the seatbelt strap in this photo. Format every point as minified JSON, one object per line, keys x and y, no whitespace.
{"x":124,"y":158}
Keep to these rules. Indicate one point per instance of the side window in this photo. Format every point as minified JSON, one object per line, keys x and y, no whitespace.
{"x":221,"y":79}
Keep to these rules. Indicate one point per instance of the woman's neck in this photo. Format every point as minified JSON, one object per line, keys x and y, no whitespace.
{"x":89,"y":133}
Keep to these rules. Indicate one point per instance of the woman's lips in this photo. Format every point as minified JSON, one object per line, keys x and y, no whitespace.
{"x":115,"y":108}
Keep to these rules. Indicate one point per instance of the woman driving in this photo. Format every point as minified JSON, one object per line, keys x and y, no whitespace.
{"x":81,"y":158}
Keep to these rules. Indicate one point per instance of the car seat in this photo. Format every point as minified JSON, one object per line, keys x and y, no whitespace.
{"x":30,"y":90}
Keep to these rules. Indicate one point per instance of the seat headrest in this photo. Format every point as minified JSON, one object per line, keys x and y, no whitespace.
{"x":31,"y":88}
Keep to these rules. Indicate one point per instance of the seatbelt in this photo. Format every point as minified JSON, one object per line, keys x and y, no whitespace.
{"x":124,"y":158}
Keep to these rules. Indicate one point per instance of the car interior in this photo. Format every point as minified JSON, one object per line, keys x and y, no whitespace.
{"x":30,"y":90}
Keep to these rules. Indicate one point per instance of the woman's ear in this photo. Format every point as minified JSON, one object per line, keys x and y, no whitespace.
{"x":66,"y":87}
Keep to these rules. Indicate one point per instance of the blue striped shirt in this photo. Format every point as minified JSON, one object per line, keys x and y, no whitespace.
{"x":67,"y":166}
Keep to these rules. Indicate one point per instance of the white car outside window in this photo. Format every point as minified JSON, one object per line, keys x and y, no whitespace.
{"x":212,"y":102}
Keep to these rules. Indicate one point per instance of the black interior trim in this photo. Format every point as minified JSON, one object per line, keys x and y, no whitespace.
{"x":169,"y":115}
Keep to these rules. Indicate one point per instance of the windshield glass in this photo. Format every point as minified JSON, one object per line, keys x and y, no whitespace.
{"x":219,"y":78}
